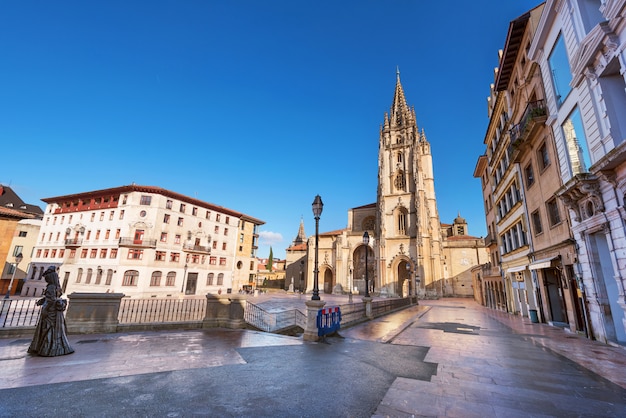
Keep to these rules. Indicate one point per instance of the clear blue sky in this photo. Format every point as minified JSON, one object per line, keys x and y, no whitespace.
{"x":253,"y":105}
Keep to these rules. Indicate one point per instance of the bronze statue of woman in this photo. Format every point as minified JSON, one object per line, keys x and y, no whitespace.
{"x":50,"y":337}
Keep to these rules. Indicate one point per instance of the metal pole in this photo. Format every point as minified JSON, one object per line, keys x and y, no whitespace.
{"x":18,"y":260}
{"x":316,"y":291}
{"x":367,"y":286}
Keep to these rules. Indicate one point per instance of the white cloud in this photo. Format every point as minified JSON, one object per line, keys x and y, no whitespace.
{"x":270,"y":238}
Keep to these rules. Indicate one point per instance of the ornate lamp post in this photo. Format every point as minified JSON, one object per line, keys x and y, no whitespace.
{"x":182,"y":287}
{"x":18,"y":260}
{"x":317,"y":211}
{"x":366,"y":241}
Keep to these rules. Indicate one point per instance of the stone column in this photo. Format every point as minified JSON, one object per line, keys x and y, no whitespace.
{"x":310,"y":332}
{"x":90,"y":313}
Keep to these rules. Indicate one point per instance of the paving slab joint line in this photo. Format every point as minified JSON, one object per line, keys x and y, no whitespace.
{"x":406,"y":325}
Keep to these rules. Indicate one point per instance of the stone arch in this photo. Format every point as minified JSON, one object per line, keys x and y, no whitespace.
{"x":326,"y":278}
{"x":400,"y":275}
{"x":358,"y":267}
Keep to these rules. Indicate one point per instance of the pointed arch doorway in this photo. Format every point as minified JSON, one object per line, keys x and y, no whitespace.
{"x":358,"y":258}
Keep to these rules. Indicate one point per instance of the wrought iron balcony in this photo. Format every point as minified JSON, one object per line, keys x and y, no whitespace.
{"x":73,"y":242}
{"x":200,"y":249}
{"x":137,"y":243}
{"x":534,"y":117}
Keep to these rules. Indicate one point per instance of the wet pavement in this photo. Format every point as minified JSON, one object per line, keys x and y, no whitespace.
{"x":450,"y":357}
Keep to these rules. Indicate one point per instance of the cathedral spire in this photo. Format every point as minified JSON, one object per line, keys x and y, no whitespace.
{"x":301,"y":238}
{"x":399,"y":109}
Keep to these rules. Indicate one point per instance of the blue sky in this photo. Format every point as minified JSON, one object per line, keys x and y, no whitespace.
{"x":253,"y":105}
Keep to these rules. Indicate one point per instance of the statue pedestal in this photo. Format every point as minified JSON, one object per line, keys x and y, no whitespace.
{"x":310,"y":332}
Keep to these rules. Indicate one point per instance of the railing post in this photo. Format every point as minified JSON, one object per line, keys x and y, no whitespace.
{"x":368,"y":308}
{"x":90,"y":313}
{"x":310,"y":331}
{"x":225,"y":311}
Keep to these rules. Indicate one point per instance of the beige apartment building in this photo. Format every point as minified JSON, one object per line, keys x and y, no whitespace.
{"x":143,"y":241}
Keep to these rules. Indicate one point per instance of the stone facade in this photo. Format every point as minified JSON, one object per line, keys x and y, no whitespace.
{"x":144,"y":241}
{"x":408,"y":252}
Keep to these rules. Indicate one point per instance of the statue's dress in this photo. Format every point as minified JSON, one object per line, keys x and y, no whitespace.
{"x":50,"y":337}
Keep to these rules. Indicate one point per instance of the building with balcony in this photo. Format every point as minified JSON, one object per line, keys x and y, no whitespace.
{"x":580,"y":49}
{"x":142,"y":241}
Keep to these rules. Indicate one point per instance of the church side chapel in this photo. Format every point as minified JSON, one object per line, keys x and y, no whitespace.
{"x":409,"y":251}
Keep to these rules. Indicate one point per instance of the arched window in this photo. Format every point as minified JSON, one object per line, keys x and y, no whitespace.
{"x":401,"y":219}
{"x":109,"y":277}
{"x":400,"y":157}
{"x":79,"y":276}
{"x":170,"y":280}
{"x":155,"y":280}
{"x":209,"y":279}
{"x":131,"y":277}
{"x":220,"y":279}
{"x":399,"y":181}
{"x":89,"y":274}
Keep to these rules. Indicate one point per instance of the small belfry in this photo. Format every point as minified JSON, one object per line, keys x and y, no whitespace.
{"x":396,"y":246}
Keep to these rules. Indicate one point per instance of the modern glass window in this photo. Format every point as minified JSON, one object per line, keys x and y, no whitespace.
{"x":560,"y":70}
{"x":576,"y":142}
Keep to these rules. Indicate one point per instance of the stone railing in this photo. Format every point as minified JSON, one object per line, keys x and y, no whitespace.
{"x":89,"y":313}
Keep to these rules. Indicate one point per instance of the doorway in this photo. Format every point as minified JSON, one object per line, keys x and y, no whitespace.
{"x":192,"y":282}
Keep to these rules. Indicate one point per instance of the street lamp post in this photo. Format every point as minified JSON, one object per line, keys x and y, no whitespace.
{"x":182,"y":287}
{"x":18,"y":260}
{"x":366,"y":241}
{"x":317,"y":211}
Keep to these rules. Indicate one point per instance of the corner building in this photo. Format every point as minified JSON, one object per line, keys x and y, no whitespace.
{"x":143,"y":241}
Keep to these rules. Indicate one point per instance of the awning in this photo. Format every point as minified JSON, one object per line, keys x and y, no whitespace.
{"x":544,"y":263}
{"x":516,"y":269}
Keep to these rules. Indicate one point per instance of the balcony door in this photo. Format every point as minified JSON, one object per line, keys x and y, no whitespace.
{"x":138,"y":236}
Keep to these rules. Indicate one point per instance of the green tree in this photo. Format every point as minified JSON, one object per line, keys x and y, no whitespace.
{"x":270,"y":261}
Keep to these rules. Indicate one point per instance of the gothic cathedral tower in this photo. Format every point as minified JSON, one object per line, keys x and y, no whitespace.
{"x":407,"y":221}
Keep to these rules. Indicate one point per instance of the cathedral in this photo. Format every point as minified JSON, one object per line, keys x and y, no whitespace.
{"x":398,"y":245}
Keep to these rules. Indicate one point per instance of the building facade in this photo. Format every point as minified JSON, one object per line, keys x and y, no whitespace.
{"x":557,"y":123}
{"x":144,"y":241}
{"x":580,"y":48}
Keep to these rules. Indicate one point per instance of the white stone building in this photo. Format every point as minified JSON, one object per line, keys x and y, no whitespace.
{"x":580,"y":46}
{"x":143,"y":241}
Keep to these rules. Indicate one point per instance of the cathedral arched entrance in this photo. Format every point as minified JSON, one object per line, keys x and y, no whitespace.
{"x":328,"y":279}
{"x":358,"y":268}
{"x":401,"y":283}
